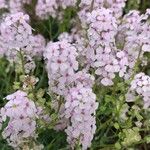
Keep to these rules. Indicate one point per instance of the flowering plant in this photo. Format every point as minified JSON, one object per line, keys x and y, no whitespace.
{"x":74,"y":74}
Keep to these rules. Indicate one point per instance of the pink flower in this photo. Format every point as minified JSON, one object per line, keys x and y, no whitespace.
{"x":141,"y":86}
{"x":61,"y":65}
{"x":80,"y":107}
{"x":22,"y":114}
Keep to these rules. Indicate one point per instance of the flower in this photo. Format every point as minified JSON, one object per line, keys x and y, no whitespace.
{"x":16,"y":31}
{"x":80,"y":108}
{"x":61,"y":65}
{"x":22,"y":114}
{"x":141,"y":86}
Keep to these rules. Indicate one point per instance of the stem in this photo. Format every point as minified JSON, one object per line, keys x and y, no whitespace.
{"x":92,"y":5}
{"x":136,"y":65}
{"x":78,"y":147}
{"x":33,"y":91}
{"x":59,"y":104}
{"x":104,"y":146}
{"x":22,"y":62}
{"x":104,"y":124}
{"x":41,"y":79}
{"x":145,"y":147}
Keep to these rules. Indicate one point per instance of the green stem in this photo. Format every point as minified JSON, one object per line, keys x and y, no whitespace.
{"x":136,"y":65}
{"x":22,"y":62}
{"x":34,"y":94}
{"x":104,"y":125}
{"x":41,"y":80}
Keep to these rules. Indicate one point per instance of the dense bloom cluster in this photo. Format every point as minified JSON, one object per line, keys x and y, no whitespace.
{"x":103,"y":26}
{"x":104,"y":46}
{"x":17,"y":38}
{"x":65,"y":36}
{"x":36,"y":46}
{"x":16,"y":31}
{"x":102,"y":53}
{"x":17,"y":5}
{"x":115,"y":47}
{"x":47,"y":8}
{"x":3,"y":4}
{"x":132,"y":39}
{"x":22,"y":114}
{"x":58,"y":67}
{"x":133,"y":36}
{"x":61,"y":65}
{"x":140,"y":85}
{"x":80,"y":108}
{"x":116,"y":6}
{"x":82,"y":79}
{"x":14,"y":6}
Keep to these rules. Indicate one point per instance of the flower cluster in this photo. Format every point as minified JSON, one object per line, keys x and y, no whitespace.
{"x":80,"y":108}
{"x":47,"y":8}
{"x":3,"y":4}
{"x":115,"y":46}
{"x":17,"y":39}
{"x":133,"y":37}
{"x":116,"y":6}
{"x":14,"y":6}
{"x":82,"y":79}
{"x":102,"y":52}
{"x":61,"y":65}
{"x":140,"y":85}
{"x":22,"y":114}
{"x":100,"y":46}
{"x":17,"y":5}
{"x":16,"y":31}
{"x":63,"y":80}
{"x":36,"y":46}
